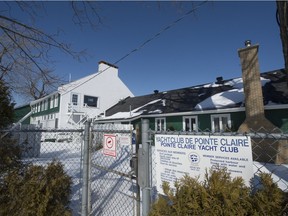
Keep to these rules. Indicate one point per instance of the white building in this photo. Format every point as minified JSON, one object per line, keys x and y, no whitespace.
{"x":73,"y":103}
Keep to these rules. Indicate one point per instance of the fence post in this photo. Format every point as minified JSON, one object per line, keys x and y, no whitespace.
{"x":145,"y":147}
{"x":85,"y":179}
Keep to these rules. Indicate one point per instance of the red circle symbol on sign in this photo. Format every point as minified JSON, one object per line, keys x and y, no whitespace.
{"x":109,"y":142}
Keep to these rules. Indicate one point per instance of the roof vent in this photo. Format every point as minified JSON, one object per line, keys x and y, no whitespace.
{"x":219,"y":80}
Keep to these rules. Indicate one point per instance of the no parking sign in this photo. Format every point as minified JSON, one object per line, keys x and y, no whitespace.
{"x":109,"y":145}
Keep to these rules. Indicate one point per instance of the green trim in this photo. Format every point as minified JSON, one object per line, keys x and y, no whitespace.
{"x":46,"y":112}
{"x":49,"y":110}
{"x":20,"y":112}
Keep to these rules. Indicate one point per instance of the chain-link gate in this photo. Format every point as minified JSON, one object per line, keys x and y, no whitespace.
{"x":113,"y":189}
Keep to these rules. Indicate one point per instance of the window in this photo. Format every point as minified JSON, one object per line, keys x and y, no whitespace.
{"x":45,"y":104}
{"x":90,"y":101}
{"x":220,"y":123}
{"x":52,"y":102}
{"x":34,"y":108}
{"x":74,"y":99}
{"x":190,"y":123}
{"x":160,"y":124}
{"x":42,"y":106}
{"x":56,"y":101}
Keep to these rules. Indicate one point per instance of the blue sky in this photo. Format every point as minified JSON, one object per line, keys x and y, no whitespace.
{"x":195,"y":50}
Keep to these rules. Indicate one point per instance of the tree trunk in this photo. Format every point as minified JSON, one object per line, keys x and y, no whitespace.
{"x":282,"y":16}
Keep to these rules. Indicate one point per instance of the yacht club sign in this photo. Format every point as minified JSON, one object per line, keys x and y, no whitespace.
{"x":177,"y":155}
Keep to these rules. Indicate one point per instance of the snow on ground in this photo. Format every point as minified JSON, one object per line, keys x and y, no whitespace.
{"x":279,"y":173}
{"x":69,"y":154}
{"x":113,"y":191}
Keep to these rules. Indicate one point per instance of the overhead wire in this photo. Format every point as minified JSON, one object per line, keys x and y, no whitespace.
{"x":144,"y":43}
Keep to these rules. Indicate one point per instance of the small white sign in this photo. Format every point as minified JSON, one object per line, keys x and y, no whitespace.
{"x":177,"y":155}
{"x":109,"y":145}
{"x":124,"y":139}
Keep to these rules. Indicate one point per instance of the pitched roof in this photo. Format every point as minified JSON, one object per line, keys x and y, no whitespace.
{"x":222,"y":94}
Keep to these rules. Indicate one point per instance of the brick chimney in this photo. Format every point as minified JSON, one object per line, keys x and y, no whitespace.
{"x":264,"y":150}
{"x":105,"y":66}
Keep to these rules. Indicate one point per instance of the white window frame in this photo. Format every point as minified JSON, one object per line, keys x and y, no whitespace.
{"x":190,"y":122}
{"x":34,"y":108}
{"x":56,"y":101}
{"x":86,"y":105}
{"x":161,"y":126}
{"x":42,"y":106}
{"x":78,"y":99}
{"x":52,"y":102}
{"x":220,"y":116}
{"x":45,"y":104}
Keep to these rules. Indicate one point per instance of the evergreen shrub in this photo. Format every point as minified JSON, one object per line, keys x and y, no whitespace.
{"x":6,"y":107}
{"x":220,"y":195}
{"x":10,"y":156}
{"x":36,"y":190}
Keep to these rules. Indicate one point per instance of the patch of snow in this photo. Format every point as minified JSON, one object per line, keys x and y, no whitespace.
{"x":279,"y":173}
{"x":227,"y":98}
{"x":222,"y":99}
{"x":235,"y":83}
{"x":132,"y":113}
{"x":156,"y":111}
{"x":123,"y":115}
{"x":211,"y":85}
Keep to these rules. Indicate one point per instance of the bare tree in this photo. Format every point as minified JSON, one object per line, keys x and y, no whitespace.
{"x":282,"y":19}
{"x":24,"y":49}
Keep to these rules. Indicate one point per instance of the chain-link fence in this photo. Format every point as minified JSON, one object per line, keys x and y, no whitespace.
{"x":101,"y":161}
{"x":176,"y":153}
{"x":41,"y":147}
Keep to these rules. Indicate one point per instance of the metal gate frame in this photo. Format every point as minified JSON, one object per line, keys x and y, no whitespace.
{"x":109,"y":181}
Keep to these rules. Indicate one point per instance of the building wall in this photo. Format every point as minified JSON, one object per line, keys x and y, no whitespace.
{"x":106,"y":86}
{"x":20,"y":112}
{"x":46,"y":111}
{"x":278,"y":117}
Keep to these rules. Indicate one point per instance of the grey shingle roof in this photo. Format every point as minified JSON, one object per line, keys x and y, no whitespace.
{"x":185,"y":99}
